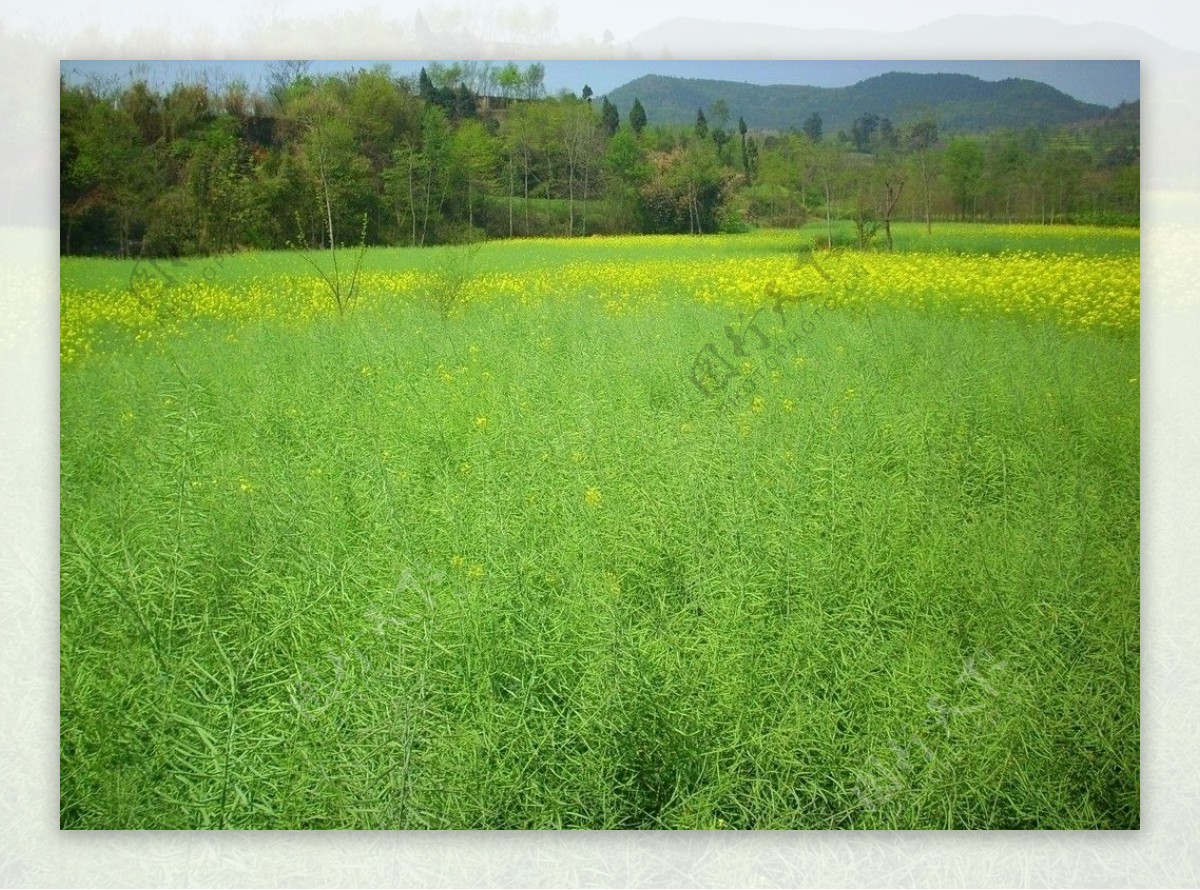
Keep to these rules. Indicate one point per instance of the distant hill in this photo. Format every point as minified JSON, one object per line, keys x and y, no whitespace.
{"x":958,"y":102}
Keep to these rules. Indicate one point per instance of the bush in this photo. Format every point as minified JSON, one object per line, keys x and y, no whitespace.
{"x":1113,"y":218}
{"x":772,"y":206}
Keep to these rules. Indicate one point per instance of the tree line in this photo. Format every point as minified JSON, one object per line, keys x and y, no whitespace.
{"x":473,"y":150}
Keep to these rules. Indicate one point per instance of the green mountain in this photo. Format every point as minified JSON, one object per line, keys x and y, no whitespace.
{"x":958,"y":102}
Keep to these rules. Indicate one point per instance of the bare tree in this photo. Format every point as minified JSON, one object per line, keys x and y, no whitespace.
{"x":921,"y":139}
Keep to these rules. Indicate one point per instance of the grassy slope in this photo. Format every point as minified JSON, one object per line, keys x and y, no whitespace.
{"x":352,"y":577}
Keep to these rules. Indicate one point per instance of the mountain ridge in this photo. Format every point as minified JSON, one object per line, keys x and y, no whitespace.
{"x":960,"y":103}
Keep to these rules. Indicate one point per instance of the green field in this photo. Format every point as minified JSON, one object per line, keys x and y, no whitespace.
{"x":605,"y":533}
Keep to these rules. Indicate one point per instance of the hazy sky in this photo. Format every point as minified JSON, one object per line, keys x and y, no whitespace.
{"x":1170,"y":20}
{"x":1105,"y":82}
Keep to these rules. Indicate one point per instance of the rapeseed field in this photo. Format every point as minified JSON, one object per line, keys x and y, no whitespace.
{"x":713,"y":532}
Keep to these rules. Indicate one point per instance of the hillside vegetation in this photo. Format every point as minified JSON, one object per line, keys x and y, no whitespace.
{"x":960,"y":103}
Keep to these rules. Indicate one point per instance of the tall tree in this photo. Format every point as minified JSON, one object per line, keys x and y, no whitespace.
{"x":425,"y":86}
{"x":517,"y":132}
{"x":509,"y":80}
{"x":1004,"y":170}
{"x":750,"y":159}
{"x":922,"y":137}
{"x":535,"y":81}
{"x":718,"y":112}
{"x":831,"y":163}
{"x":812,"y":127}
{"x":103,"y":172}
{"x":637,"y":117}
{"x":418,"y":181}
{"x":547,"y":135}
{"x":742,"y":130}
{"x":964,"y":170}
{"x":701,"y":124}
{"x":437,"y":155}
{"x":578,"y":124}
{"x":687,"y":190}
{"x":610,"y":119}
{"x":1063,"y":167}
{"x":863,"y":131}
{"x":475,"y":157}
{"x":627,"y":171}
{"x":327,"y":149}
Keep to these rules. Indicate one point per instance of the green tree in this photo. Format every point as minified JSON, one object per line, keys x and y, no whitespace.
{"x":686,"y":192}
{"x":445,"y":77}
{"x":380,"y":111}
{"x":286,"y":78}
{"x":701,"y":124}
{"x":718,"y":113}
{"x":219,"y":200}
{"x":812,"y":127}
{"x":637,"y":117}
{"x":862,"y":132}
{"x":464,"y":103}
{"x":534,"y":81}
{"x":785,"y":173}
{"x":402,"y":183}
{"x":101,"y":164}
{"x":1063,"y":166}
{"x":509,"y":80}
{"x":426,"y":88}
{"x":476,"y":159}
{"x":517,"y":134}
{"x":419,"y":180}
{"x":436,"y":164}
{"x":888,"y":137}
{"x":578,"y":131}
{"x":609,"y":118}
{"x":964,"y":170}
{"x":831,"y":165}
{"x":323,"y":139}
{"x":627,"y":172}
{"x":326,"y":148}
{"x":1005,"y":169}
{"x":720,"y":139}
{"x":750,"y":159}
{"x":143,"y":108}
{"x":547,"y":125}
